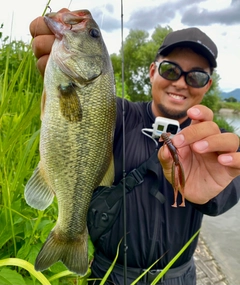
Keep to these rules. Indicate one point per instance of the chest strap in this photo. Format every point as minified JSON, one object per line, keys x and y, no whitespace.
{"x":106,"y":202}
{"x":135,"y":178}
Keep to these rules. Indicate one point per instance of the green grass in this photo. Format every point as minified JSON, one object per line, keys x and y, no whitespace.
{"x":222,"y":123}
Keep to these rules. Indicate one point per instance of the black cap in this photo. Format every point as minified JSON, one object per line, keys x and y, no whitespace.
{"x":192,"y":38}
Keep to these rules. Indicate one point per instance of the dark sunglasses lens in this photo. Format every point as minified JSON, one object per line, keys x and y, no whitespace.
{"x":169,"y":71}
{"x":197,"y":79}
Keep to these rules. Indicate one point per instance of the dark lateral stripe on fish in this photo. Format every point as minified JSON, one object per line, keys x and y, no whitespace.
{"x":70,"y":105}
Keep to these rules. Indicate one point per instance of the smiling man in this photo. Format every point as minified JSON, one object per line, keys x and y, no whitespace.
{"x":180,"y":76}
{"x":184,"y":62}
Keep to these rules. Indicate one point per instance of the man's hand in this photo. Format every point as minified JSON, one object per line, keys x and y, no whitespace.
{"x":42,"y":41}
{"x":209,"y":157}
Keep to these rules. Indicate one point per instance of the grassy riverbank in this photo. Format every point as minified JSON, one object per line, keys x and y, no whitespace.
{"x":234,"y":106}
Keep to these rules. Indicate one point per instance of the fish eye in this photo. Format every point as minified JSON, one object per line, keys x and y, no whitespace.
{"x":94,"y":33}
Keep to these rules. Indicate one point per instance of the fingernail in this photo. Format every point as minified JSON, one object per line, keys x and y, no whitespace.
{"x":226,"y":158}
{"x":195,"y":111}
{"x":178,"y":140}
{"x":200,"y":146}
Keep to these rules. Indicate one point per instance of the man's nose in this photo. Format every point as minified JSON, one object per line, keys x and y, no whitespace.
{"x":180,"y":83}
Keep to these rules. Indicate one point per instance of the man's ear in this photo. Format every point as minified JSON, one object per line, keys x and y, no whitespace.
{"x":152,"y":69}
{"x":209,"y":84}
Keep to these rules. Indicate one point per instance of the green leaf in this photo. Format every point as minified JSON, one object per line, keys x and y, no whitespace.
{"x":34,"y":252}
{"x":27,"y":266}
{"x":46,"y":230}
{"x":12,"y":276}
{"x":58,"y":267}
{"x":6,"y":234}
{"x":24,"y":251}
{"x":4,"y":281}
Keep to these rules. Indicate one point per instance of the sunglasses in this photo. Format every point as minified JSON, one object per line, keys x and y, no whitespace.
{"x":171,"y":71}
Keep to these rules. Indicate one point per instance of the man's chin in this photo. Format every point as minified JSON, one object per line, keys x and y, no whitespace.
{"x":172,"y":113}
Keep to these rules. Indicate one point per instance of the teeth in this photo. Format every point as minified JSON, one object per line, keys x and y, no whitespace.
{"x":176,"y":96}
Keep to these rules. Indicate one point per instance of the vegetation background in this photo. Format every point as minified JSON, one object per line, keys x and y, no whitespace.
{"x":22,"y":228}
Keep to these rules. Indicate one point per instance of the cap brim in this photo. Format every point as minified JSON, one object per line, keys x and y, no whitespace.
{"x":199,"y":48}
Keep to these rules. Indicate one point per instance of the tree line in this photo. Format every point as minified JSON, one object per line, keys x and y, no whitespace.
{"x":139,"y":50}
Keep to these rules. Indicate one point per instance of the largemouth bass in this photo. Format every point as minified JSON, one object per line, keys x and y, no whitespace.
{"x":78,"y":121}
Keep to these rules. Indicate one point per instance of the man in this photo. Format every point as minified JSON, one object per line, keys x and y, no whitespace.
{"x":180,"y":76}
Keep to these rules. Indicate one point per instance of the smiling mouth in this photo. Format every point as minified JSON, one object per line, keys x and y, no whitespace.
{"x":177,"y":97}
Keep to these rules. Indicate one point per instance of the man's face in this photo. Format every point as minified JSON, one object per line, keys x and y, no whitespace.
{"x":172,"y":99}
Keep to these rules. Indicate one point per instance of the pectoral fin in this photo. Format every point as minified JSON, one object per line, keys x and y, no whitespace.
{"x":38,"y":193}
{"x":70,"y":105}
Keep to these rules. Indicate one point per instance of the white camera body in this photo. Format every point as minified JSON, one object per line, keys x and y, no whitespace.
{"x":164,"y":125}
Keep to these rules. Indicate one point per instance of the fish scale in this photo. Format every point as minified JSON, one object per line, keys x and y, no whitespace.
{"x":76,"y":141}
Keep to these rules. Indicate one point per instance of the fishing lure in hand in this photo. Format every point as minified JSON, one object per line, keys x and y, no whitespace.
{"x":178,"y":178}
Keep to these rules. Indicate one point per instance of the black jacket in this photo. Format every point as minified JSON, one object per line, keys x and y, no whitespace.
{"x":153,"y":228}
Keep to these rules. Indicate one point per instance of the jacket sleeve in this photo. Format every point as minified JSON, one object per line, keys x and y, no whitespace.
{"x":223,"y":201}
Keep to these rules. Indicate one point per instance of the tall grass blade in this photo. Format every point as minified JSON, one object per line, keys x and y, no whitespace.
{"x":27,"y":266}
{"x":164,"y":271}
{"x":146,"y":271}
{"x":112,"y":265}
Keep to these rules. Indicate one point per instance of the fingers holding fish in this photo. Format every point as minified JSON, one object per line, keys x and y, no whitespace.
{"x":38,"y":26}
{"x":42,"y":48}
{"x":41,"y":64}
{"x":42,"y":45}
{"x":43,"y":39}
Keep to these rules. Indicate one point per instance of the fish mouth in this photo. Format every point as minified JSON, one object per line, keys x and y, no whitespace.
{"x":58,"y":22}
{"x":76,"y":17}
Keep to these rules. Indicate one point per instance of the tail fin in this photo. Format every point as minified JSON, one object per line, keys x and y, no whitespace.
{"x":72,"y":252}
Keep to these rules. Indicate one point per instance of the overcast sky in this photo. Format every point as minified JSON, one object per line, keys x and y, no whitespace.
{"x":220,"y":19}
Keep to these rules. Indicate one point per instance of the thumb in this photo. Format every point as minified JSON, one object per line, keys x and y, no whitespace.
{"x":166,"y":161}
